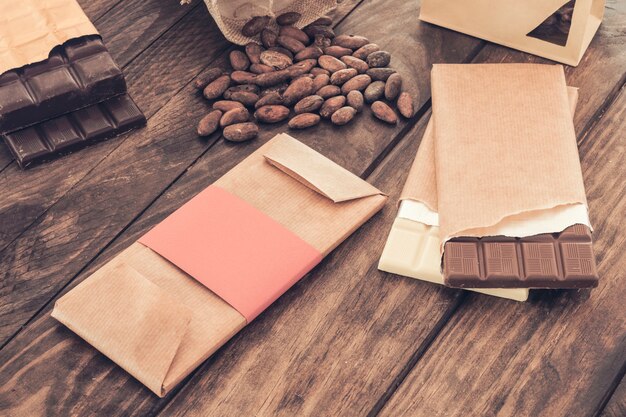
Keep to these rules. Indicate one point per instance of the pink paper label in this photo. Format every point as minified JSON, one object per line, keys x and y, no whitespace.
{"x":235,"y":250}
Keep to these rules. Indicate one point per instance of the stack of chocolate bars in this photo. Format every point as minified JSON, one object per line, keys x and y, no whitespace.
{"x":495,"y":200}
{"x":59,"y":92}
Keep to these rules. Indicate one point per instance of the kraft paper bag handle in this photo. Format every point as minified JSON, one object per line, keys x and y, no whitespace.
{"x":316,"y":171}
{"x":141,"y":330}
{"x":508,"y":23}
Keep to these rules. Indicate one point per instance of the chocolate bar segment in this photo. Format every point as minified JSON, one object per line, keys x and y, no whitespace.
{"x":78,"y":129}
{"x":77,"y":74}
{"x":557,"y":260}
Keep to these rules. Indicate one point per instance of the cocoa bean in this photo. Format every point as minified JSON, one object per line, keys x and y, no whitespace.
{"x":282,"y":50}
{"x":328,"y":91}
{"x":260,"y":68}
{"x":364,"y":51}
{"x":237,"y":115}
{"x":360,"y":83}
{"x":225,"y":105}
{"x":289,"y":43}
{"x":320,"y":81}
{"x":354,"y":99}
{"x":310,"y":52}
{"x":242,"y":77}
{"x":393,"y":86}
{"x":272,"y":98}
{"x":271,"y":113}
{"x":278,"y":88}
{"x":217,"y":87}
{"x":301,"y":67}
{"x":331,"y":105}
{"x":374,"y":91}
{"x":317,"y":30}
{"x":308,"y":104}
{"x":240,"y":132}
{"x":341,"y":76}
{"x":268,"y":38}
{"x":304,"y":120}
{"x":275,"y":59}
{"x":380,"y":74}
{"x":295,"y":33}
{"x":343,"y":116}
{"x":253,"y":52}
{"x":383,"y":112}
{"x":331,"y":63}
{"x":405,"y":105}
{"x":350,"y":41}
{"x":288,"y":18}
{"x":269,"y":79}
{"x":209,"y":123}
{"x":238,"y":60}
{"x":379,"y":59}
{"x":307,"y":75}
{"x":356,"y":63}
{"x":318,"y":71}
{"x":244,"y":97}
{"x":297,"y":90}
{"x":204,"y":79}
{"x":337,"y":51}
{"x":250,"y":88}
{"x":322,"y":21}
{"x":255,"y":25}
{"x":322,"y":41}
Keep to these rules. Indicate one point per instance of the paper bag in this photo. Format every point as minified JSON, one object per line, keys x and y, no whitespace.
{"x":232,"y":15}
{"x":166,"y":303}
{"x":29,"y":29}
{"x":512,"y":22}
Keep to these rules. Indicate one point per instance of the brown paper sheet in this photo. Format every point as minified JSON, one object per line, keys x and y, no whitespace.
{"x":499,"y":128}
{"x":421,"y":183}
{"x":170,"y":293}
{"x":29,"y":29}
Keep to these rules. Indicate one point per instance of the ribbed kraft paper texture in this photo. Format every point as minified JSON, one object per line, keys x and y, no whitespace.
{"x":421,"y":183}
{"x":30,"y":29}
{"x":232,"y":15}
{"x":304,"y":211}
{"x":505,"y":144}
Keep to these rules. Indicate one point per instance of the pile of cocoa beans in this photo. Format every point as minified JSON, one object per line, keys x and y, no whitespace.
{"x":300,"y":75}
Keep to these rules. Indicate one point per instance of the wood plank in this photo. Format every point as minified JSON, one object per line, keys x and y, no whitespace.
{"x":616,"y":407}
{"x":28,"y":194}
{"x":142,"y":21}
{"x":556,"y":355}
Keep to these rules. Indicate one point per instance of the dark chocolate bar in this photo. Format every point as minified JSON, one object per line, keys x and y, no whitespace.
{"x":78,"y":129}
{"x":76,"y":74}
{"x":551,"y":260}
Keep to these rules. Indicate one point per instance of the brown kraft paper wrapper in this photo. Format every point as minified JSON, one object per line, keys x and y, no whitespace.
{"x":159,"y":323}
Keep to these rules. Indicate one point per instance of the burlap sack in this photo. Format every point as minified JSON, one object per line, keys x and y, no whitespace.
{"x":231,"y":15}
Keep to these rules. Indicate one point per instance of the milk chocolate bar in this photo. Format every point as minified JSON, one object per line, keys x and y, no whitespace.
{"x":549,"y":260}
{"x":77,"y":74}
{"x":78,"y":129}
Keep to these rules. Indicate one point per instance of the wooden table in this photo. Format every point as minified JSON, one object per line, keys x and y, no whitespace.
{"x":348,"y":339}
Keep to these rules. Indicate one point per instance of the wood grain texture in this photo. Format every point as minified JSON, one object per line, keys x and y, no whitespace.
{"x":559,"y":353}
{"x":30,"y":193}
{"x":616,"y":407}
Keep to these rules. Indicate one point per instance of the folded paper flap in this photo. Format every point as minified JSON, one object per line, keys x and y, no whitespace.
{"x":316,"y":171}
{"x":505,"y":143}
{"x":29,"y":32}
{"x":129,"y":319}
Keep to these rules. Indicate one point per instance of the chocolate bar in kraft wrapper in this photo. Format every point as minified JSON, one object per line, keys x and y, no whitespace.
{"x":412,"y":248}
{"x":166,"y":303}
{"x":511,"y":199}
